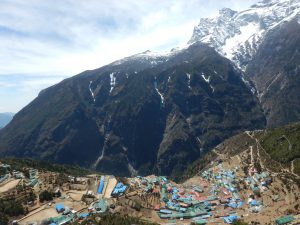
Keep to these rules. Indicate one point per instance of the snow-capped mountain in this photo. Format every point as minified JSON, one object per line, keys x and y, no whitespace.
{"x":150,"y":57}
{"x":158,"y":112}
{"x":137,"y":116}
{"x":237,"y":35}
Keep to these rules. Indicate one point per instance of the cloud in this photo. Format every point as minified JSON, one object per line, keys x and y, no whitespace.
{"x":62,"y":38}
{"x":38,"y":36}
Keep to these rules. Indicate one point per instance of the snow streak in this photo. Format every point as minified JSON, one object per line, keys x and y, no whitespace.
{"x":91,"y":91}
{"x":112,"y":81}
{"x":158,"y":92}
{"x":206,"y":79}
{"x":189,"y":80}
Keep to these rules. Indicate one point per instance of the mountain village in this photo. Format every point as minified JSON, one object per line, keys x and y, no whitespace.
{"x":228,"y":190}
{"x":232,"y":92}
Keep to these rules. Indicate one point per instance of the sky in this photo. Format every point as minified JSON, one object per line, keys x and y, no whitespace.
{"x":45,"y":41}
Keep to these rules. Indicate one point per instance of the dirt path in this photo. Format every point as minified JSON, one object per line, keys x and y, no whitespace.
{"x":259,"y":147}
{"x":38,"y":215}
{"x":251,"y":154}
{"x":76,"y":195}
{"x":239,"y":159}
{"x":215,"y":151}
{"x":293,"y":168}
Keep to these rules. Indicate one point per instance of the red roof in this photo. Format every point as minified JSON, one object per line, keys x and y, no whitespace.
{"x":221,"y":214}
{"x":197,"y":194}
{"x":185,"y":205}
{"x":155,"y":191}
{"x":157,"y":207}
{"x":223,"y":200}
{"x":225,"y":191}
{"x":201,"y":198}
{"x":227,"y":196}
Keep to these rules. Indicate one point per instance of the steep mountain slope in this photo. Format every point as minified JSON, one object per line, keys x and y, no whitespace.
{"x":276,"y":150}
{"x":238,"y":35}
{"x":159,"y":112}
{"x":264,"y":42}
{"x":275,"y":70}
{"x":5,"y":118}
{"x":253,"y":155}
{"x":283,"y":145}
{"x":146,"y":113}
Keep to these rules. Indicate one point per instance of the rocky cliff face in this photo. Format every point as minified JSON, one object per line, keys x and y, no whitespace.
{"x":159,"y":112}
{"x":262,"y":41}
{"x":275,"y":70}
{"x":146,"y":113}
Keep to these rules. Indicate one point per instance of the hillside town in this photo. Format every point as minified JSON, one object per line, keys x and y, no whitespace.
{"x":224,"y":193}
{"x":146,"y":112}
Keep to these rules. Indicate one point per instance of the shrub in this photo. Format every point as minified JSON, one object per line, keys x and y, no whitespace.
{"x":3,"y":219}
{"x":239,"y":222}
{"x":46,"y":196}
{"x":11,"y":207}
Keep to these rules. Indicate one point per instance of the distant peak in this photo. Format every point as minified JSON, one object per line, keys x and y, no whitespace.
{"x":264,"y":3}
{"x":227,"y":12}
{"x":146,"y":52}
{"x":237,"y":35}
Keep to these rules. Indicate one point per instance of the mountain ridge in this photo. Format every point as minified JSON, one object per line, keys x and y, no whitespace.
{"x":147,"y":120}
{"x":277,"y":149}
{"x":237,"y":35}
{"x":158,"y":112}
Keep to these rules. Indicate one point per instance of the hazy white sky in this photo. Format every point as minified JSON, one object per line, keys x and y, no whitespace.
{"x":45,"y":41}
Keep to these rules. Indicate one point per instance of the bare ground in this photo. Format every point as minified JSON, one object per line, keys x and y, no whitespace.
{"x":8,"y":186}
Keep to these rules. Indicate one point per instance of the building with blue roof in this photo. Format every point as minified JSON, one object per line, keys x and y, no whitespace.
{"x":101,"y":206}
{"x":61,"y":220}
{"x":101,"y":185}
{"x":59,"y":207}
{"x":83,"y":215}
{"x":253,"y":203}
{"x":230,"y":219}
{"x":174,"y":196}
{"x":119,"y":189}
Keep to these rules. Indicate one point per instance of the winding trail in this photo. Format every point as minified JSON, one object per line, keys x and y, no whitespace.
{"x":290,"y":145}
{"x":293,"y":168}
{"x":215,"y":151}
{"x":251,"y":154}
{"x":259,"y":147}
